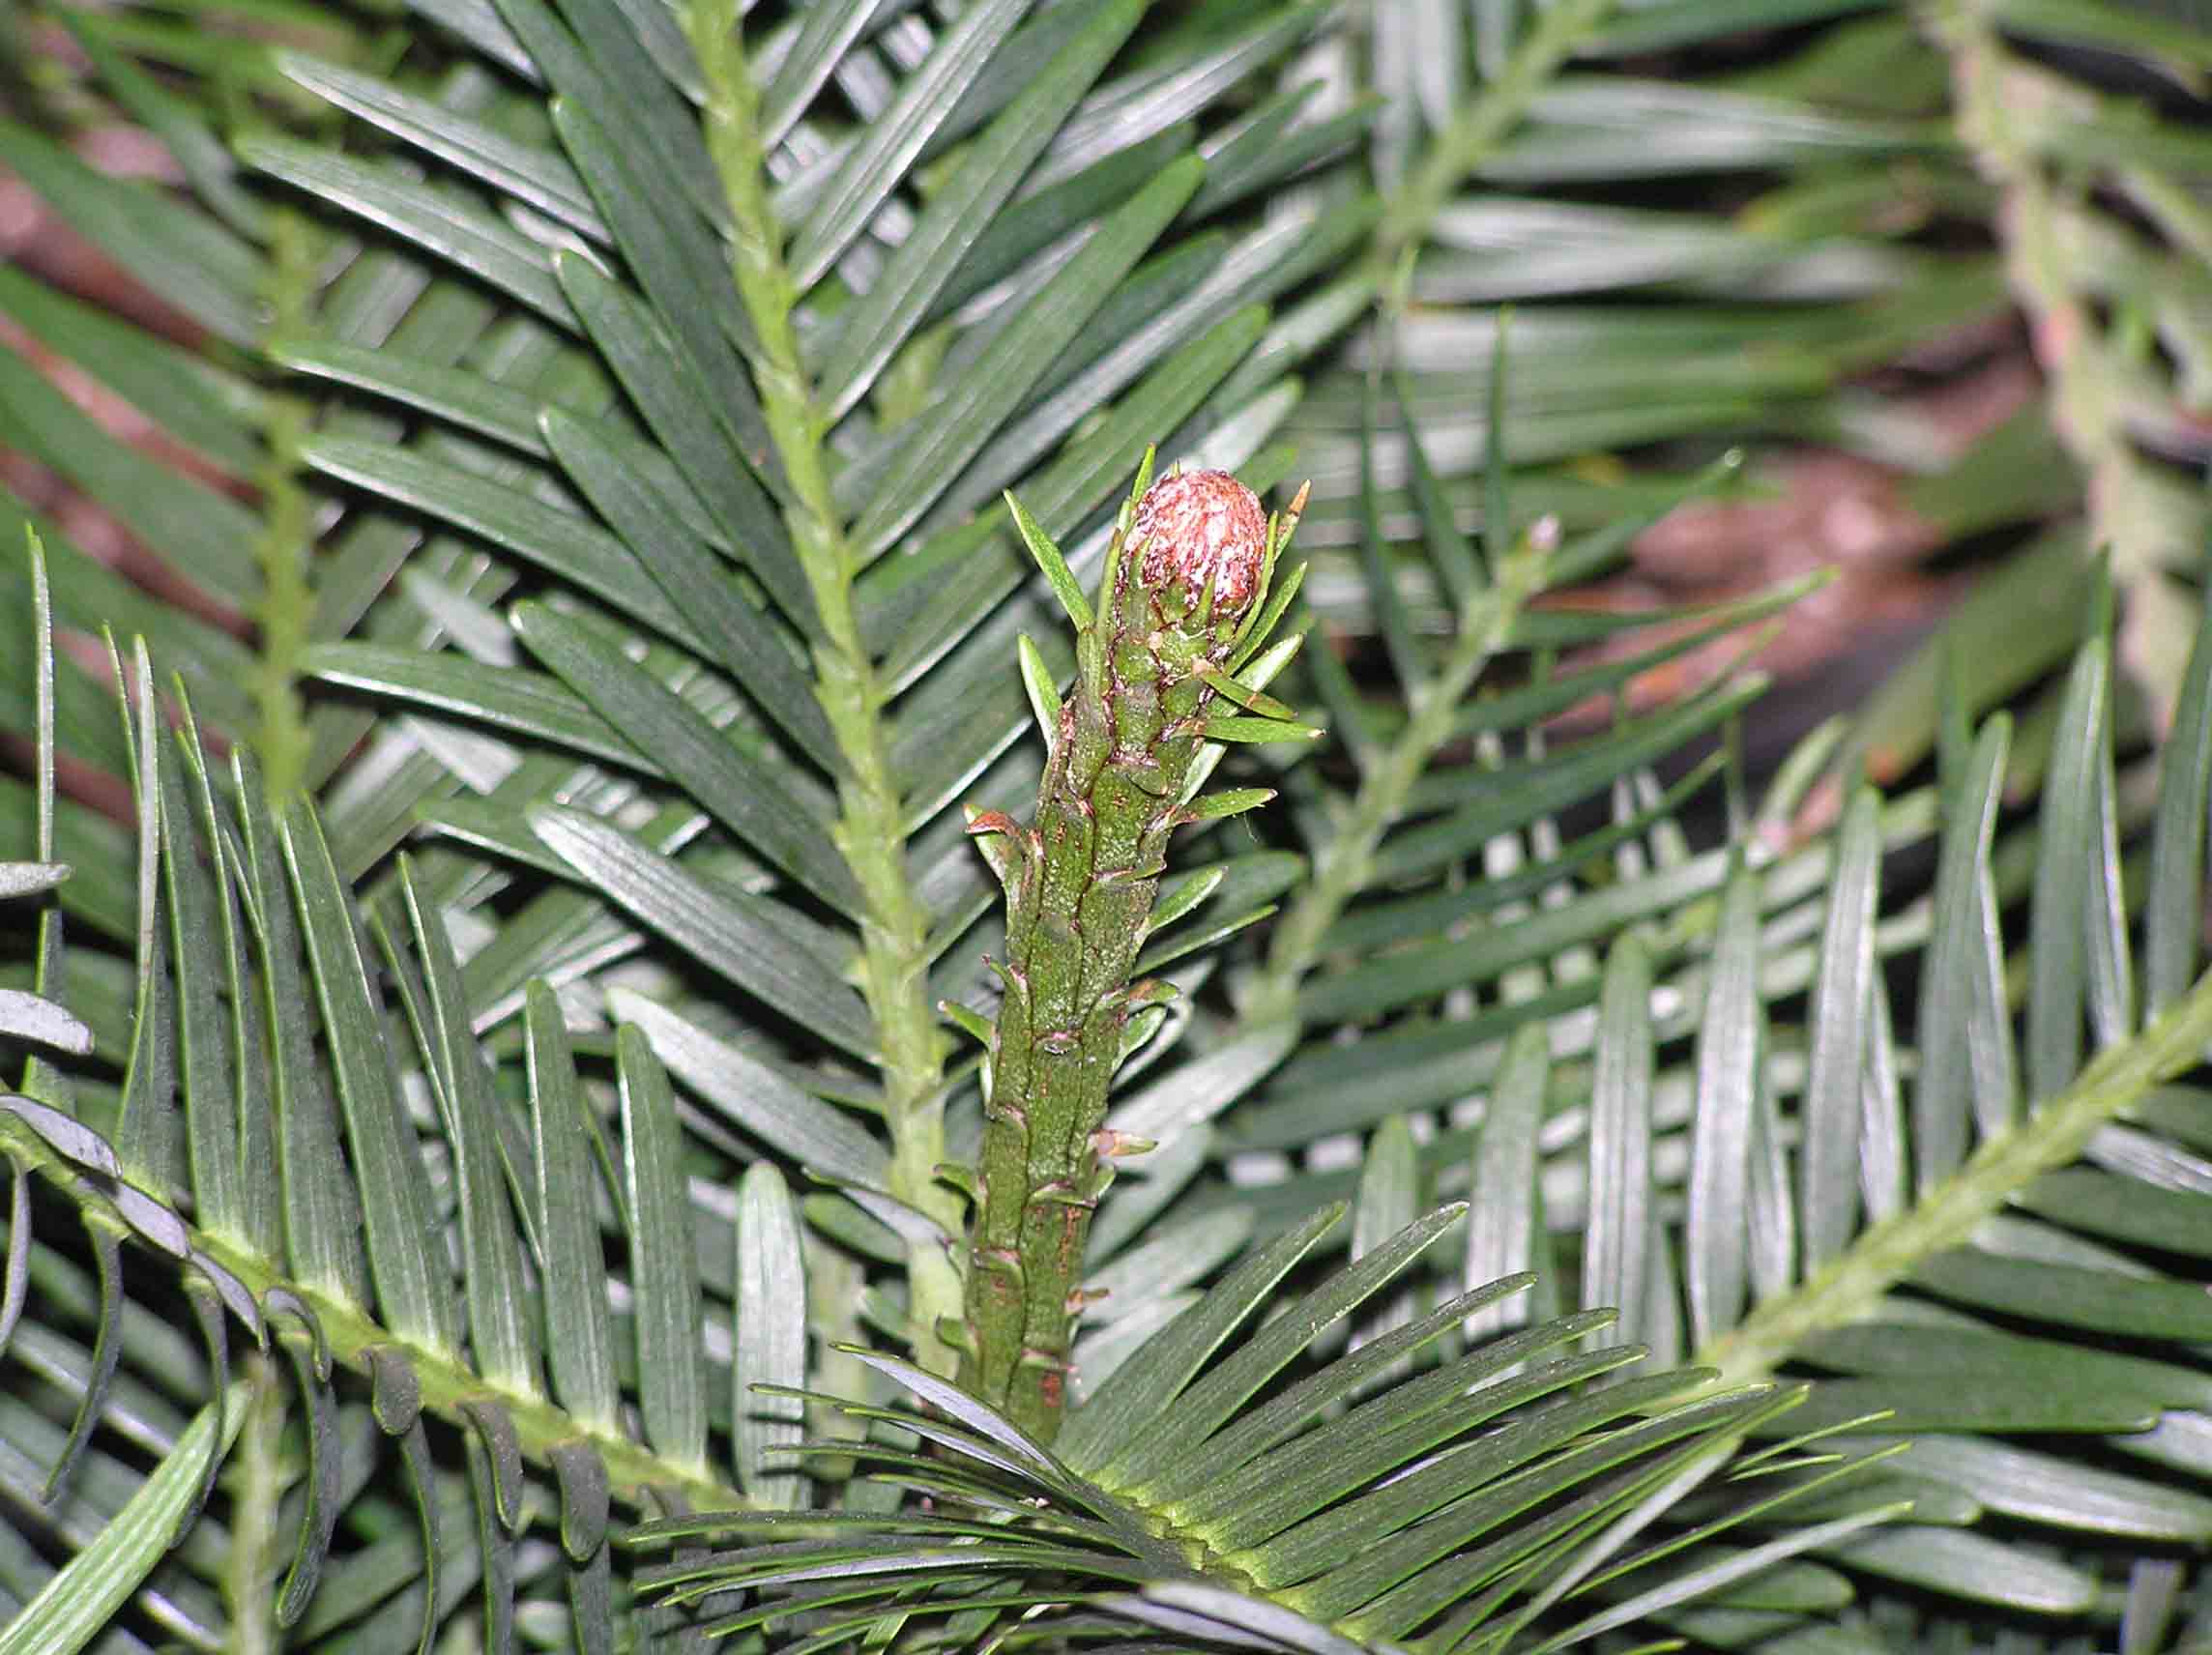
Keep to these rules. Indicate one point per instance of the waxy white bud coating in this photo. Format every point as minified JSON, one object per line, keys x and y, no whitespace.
{"x":1201,"y":525}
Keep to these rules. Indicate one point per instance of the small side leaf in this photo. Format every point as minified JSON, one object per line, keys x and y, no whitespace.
{"x":771,"y":1340}
{"x":1044,"y":692}
{"x":664,"y":1280}
{"x":1064,"y":586}
{"x":78,"y":1603}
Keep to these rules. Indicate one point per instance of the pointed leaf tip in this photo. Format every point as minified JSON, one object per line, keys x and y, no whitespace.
{"x":1037,"y":683}
{"x":1041,"y":547}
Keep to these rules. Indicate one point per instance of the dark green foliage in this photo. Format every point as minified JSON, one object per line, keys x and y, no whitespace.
{"x":485,"y":1167}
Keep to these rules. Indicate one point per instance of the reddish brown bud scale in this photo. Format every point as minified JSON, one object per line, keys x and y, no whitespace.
{"x":1203,"y":525}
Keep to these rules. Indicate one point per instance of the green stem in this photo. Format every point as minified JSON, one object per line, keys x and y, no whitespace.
{"x":635,"y":1473}
{"x":1483,"y":125}
{"x":1342,"y":870}
{"x":2000,"y":98}
{"x":257,"y":1476}
{"x":1080,"y":887}
{"x":1343,"y":867}
{"x":1851,"y":1286}
{"x":870,"y":830}
{"x":287,"y":607}
{"x":633,"y":1470}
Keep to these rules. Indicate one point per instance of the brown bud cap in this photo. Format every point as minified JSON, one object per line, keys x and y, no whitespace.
{"x":1198,"y":525}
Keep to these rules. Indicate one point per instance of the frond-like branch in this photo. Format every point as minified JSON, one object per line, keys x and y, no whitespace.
{"x":1226,"y":1493}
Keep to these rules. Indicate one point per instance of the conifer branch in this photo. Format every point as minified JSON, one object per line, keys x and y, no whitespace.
{"x":870,"y":830}
{"x":1185,"y":588}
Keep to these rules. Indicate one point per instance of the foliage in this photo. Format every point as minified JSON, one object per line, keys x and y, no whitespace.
{"x":488,"y":1164}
